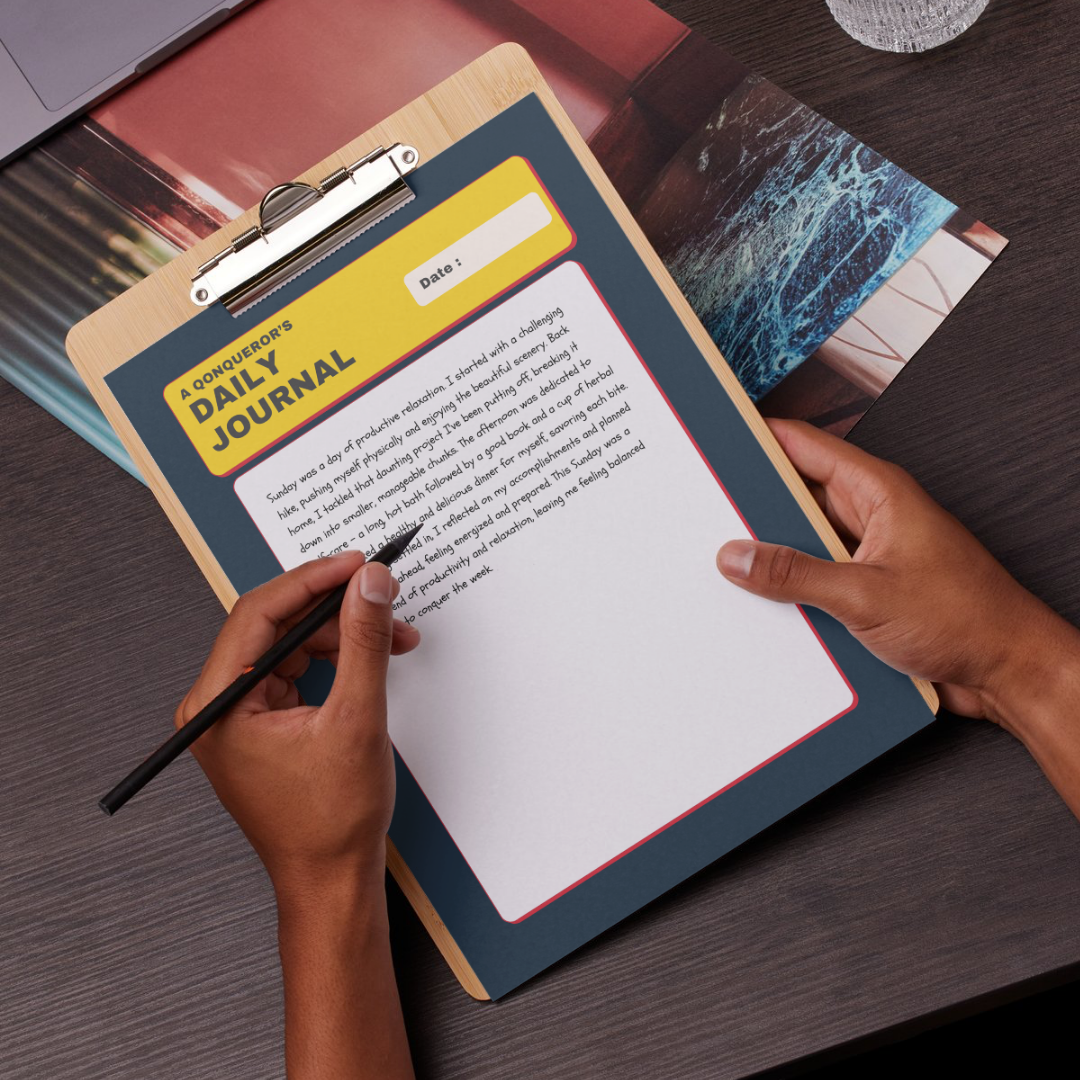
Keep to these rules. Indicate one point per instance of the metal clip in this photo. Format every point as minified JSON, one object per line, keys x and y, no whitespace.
{"x":300,"y":224}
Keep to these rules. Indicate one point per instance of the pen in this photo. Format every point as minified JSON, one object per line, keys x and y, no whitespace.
{"x":203,"y":720}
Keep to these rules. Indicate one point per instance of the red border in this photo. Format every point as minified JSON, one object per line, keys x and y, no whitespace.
{"x":746,"y":524}
{"x":813,"y":630}
{"x":415,"y":348}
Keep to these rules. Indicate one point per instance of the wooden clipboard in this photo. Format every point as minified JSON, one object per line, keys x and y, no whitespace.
{"x":132,"y":322}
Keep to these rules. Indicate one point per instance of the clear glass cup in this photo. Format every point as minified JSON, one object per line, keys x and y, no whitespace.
{"x":905,"y":25}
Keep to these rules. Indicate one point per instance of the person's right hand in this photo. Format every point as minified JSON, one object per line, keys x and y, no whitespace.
{"x":313,"y":790}
{"x":921,"y":592}
{"x":311,"y":787}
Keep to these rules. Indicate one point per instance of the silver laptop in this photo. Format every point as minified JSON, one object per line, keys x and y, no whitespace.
{"x":59,"y":57}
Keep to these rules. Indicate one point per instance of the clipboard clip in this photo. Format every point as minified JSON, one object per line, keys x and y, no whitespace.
{"x":302,"y":223}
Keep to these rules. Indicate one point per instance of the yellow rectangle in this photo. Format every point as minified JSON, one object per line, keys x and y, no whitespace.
{"x":330,"y":341}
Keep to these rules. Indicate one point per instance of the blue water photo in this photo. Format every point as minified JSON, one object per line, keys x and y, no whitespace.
{"x":777,"y":226}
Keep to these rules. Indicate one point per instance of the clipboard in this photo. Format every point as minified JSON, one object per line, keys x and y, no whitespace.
{"x":295,"y":227}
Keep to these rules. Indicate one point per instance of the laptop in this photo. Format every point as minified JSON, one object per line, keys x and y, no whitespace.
{"x":59,"y":57}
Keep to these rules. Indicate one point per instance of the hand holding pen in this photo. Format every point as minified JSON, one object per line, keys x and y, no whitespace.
{"x":313,"y":790}
{"x":337,"y":755}
{"x":267,"y":643}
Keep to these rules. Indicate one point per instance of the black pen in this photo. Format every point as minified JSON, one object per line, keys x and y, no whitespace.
{"x":172,"y":748}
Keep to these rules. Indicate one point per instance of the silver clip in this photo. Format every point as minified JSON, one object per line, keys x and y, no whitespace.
{"x":300,"y":224}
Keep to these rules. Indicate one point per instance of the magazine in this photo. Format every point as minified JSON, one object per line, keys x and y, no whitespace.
{"x":818,"y":266}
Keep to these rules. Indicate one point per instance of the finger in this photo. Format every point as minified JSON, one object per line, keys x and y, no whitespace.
{"x":330,"y":627}
{"x":284,"y":600}
{"x":325,"y":640}
{"x":848,"y":591}
{"x":854,"y":481}
{"x":294,"y":665}
{"x":367,"y":634}
{"x":289,"y":698}
{"x":816,"y":453}
{"x":818,"y":492}
{"x":254,"y":623}
{"x":406,"y":638}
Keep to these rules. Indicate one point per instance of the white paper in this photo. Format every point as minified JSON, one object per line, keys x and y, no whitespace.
{"x":586,"y":675}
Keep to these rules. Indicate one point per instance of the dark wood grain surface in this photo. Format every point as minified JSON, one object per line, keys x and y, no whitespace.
{"x":143,"y":947}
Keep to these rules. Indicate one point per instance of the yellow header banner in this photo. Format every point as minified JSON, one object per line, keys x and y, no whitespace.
{"x":368,"y":316}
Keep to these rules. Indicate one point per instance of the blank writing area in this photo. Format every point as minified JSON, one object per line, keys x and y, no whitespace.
{"x":586,"y":675}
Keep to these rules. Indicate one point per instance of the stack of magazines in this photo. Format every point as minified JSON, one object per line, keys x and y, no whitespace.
{"x":818,"y":267}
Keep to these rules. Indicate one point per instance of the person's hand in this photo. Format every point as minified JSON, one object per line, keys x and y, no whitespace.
{"x":921,"y":592}
{"x":312,"y":788}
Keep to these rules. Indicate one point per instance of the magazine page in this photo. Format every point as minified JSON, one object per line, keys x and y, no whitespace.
{"x":818,"y":267}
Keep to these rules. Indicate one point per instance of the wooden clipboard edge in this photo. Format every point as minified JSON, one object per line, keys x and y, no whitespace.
{"x":142,"y":315}
{"x":442,"y":937}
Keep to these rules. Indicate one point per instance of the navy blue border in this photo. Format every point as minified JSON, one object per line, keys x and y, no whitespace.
{"x":502,"y":954}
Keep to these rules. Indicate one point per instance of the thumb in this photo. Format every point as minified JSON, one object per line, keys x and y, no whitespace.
{"x":366,"y":634}
{"x":844,"y":590}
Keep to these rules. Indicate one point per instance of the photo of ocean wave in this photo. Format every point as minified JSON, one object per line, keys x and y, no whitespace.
{"x":778,"y":226}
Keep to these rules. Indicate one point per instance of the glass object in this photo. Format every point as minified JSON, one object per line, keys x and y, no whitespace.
{"x":905,"y":25}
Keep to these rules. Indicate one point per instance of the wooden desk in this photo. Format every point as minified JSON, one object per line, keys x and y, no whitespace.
{"x":941,"y":879}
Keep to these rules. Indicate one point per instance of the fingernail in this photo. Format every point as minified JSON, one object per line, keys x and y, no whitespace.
{"x":736,"y":558}
{"x":375,"y":583}
{"x":402,"y":627}
{"x":343,"y":553}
